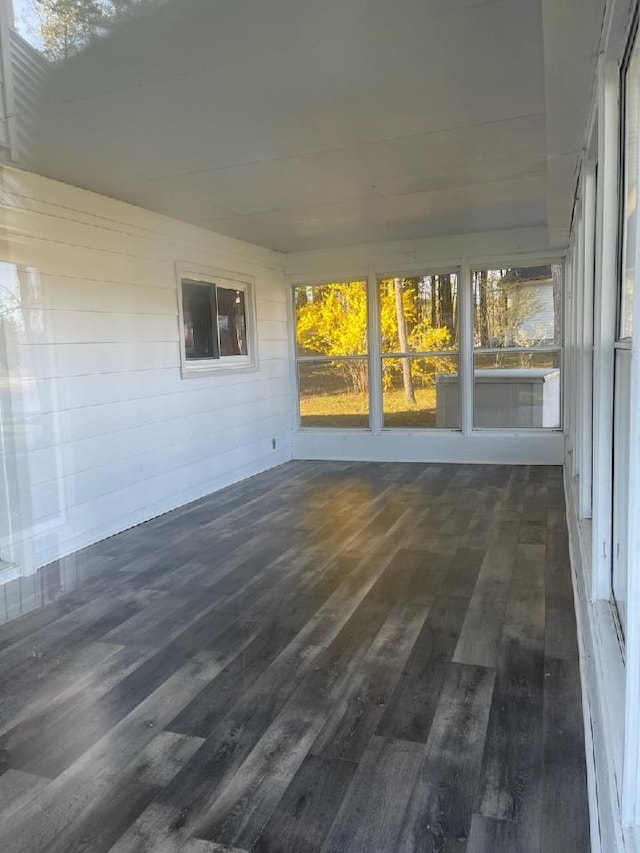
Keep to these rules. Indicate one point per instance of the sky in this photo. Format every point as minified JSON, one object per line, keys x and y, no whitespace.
{"x":26,"y":21}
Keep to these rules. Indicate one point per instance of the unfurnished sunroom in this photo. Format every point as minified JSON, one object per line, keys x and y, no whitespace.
{"x":319,"y":427}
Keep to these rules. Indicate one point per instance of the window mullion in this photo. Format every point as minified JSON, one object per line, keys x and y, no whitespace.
{"x":465,"y":369}
{"x":215,"y":331}
{"x":375,"y":360}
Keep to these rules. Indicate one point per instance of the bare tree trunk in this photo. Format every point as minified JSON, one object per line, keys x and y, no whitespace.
{"x":506,"y":332}
{"x":483,"y":319}
{"x":409,"y":393}
{"x":446,"y":302}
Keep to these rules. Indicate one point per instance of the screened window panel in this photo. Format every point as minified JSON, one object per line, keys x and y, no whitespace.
{"x":518,"y":390}
{"x":334,"y":393}
{"x":517,"y":307}
{"x":421,"y":393}
{"x":331,"y":319}
{"x":419,"y":313}
{"x":631,"y":188}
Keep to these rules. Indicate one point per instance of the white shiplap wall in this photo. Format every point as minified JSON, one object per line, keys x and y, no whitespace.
{"x":100,"y":430}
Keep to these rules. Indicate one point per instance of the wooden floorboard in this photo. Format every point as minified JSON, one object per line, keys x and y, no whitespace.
{"x":306,"y":812}
{"x":441,"y":807}
{"x":373,"y":809}
{"x":329,"y":657}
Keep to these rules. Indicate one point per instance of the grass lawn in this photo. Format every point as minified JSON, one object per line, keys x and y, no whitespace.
{"x":346,"y":409}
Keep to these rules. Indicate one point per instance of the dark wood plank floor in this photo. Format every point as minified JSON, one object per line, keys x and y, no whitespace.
{"x":327,"y":658}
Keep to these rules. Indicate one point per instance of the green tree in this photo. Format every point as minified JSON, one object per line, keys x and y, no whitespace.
{"x":66,"y":26}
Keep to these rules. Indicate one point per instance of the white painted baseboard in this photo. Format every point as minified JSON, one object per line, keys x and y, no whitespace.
{"x":485,"y":447}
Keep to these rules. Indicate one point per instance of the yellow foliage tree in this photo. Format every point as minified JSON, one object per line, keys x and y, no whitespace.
{"x":331,"y":321}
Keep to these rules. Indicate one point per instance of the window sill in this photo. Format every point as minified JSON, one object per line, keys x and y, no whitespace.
{"x":195,"y":371}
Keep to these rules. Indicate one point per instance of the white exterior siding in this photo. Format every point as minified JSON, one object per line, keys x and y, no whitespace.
{"x":105,"y":431}
{"x":540,"y":325}
{"x":27,"y":74}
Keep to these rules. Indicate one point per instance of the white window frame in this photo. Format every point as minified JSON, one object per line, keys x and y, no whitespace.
{"x":234,"y":281}
{"x":533,"y":260}
{"x":630,"y":794}
{"x":427,"y":269}
{"x":461,"y":267}
{"x":327,"y":359}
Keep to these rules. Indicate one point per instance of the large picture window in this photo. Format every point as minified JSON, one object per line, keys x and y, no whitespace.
{"x":389,"y":353}
{"x":215,"y":322}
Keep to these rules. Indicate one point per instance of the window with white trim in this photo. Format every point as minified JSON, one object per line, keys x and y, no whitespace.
{"x":332,"y":354}
{"x":517,"y":349}
{"x":420,"y":351}
{"x":216,"y":322}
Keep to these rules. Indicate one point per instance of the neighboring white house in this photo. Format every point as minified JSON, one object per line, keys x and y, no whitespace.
{"x":538,"y":323}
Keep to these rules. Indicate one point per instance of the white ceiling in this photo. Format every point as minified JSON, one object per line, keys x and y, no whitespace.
{"x":299,"y":124}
